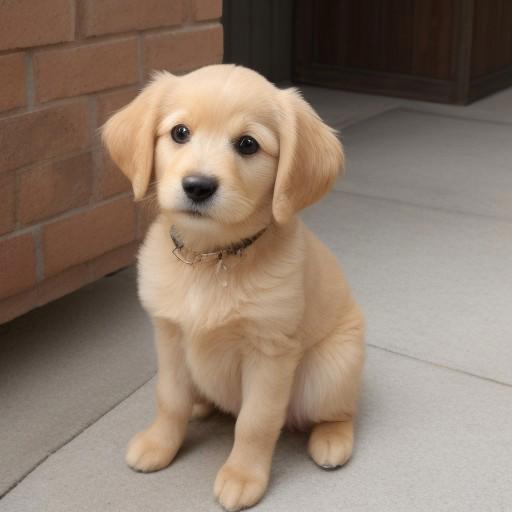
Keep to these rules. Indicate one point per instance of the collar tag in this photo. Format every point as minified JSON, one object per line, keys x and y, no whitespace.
{"x":221,"y":272}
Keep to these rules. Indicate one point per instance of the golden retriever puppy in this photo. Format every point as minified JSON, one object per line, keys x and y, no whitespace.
{"x":251,"y":312}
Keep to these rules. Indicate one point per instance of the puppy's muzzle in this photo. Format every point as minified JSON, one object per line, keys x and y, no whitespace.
{"x":199,"y":187}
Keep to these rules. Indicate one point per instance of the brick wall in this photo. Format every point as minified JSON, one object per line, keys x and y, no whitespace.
{"x":66,"y":213}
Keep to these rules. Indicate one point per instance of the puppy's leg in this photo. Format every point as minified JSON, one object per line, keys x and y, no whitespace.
{"x":331,"y":442}
{"x":330,"y":376}
{"x":155,"y":447}
{"x":266,"y":386}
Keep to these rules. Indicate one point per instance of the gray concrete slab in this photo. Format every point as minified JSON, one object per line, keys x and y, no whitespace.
{"x":428,"y":439}
{"x":470,"y":112}
{"x":64,"y":365}
{"x":343,"y":108}
{"x":499,"y":103}
{"x":433,"y":285}
{"x":430,"y":160}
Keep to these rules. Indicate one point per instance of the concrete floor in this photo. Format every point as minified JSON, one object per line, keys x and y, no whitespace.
{"x":423,"y":226}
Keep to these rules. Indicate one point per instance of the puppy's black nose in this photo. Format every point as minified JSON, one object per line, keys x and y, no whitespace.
{"x":199,"y":187}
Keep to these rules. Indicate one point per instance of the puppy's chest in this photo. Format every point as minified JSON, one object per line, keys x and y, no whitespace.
{"x":215,"y":358}
{"x":216,"y":323}
{"x":199,"y":303}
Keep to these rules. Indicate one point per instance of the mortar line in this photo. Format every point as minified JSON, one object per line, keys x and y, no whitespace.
{"x":29,"y":72}
{"x":64,"y":215}
{"x":38,"y":242}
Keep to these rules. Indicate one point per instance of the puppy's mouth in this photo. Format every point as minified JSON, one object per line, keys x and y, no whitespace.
{"x":193,"y":212}
{"x":196,"y":209}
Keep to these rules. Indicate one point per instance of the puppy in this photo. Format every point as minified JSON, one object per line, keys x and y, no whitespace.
{"x":252,"y":314}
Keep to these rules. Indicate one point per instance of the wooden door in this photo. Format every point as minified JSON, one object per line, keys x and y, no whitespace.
{"x":428,"y":49}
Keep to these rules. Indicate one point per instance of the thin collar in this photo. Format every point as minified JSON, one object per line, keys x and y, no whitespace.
{"x":218,"y":254}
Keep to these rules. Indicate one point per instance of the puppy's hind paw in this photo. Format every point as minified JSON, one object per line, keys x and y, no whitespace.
{"x":146,"y":453}
{"x":330,"y":444}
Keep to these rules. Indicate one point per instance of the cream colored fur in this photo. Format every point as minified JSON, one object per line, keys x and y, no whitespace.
{"x":281,"y":344}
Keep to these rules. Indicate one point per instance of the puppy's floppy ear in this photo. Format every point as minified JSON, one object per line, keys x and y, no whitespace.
{"x":129,"y":135}
{"x":310,"y":157}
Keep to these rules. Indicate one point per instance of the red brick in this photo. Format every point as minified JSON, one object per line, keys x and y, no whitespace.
{"x":183,"y":51}
{"x":112,"y":181}
{"x":73,"y":71}
{"x":87,"y":235}
{"x":25,"y":23}
{"x":207,"y":9}
{"x":14,"y":306}
{"x":17,"y":264}
{"x":31,"y":137}
{"x":113,"y":16}
{"x":66,"y":282}
{"x":114,"y":260}
{"x":12,"y":81}
{"x":51,"y":188}
{"x":7,"y":202}
{"x":110,"y":102}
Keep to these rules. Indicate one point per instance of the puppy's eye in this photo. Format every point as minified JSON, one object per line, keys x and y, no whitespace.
{"x":246,"y":145}
{"x":180,"y":134}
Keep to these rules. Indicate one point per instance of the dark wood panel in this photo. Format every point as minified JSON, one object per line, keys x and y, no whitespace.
{"x":379,"y":35}
{"x":492,"y":36}
{"x":462,"y":50}
{"x":398,"y":33}
{"x":303,"y":38}
{"x":261,"y":40}
{"x":434,"y":22}
{"x":404,"y":86}
{"x":365,"y":34}
{"x":258,"y":34}
{"x":384,"y":35}
{"x":483,"y":35}
{"x":282,"y":40}
{"x":442,"y":50}
{"x":506,"y":31}
{"x":488,"y":84}
{"x":237,"y":31}
{"x":330,"y":45}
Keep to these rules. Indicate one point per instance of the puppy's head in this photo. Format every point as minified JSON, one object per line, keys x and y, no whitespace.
{"x":226,"y":147}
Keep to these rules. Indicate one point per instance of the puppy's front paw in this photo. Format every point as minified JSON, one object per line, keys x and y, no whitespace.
{"x":146,"y":452}
{"x":236,"y":489}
